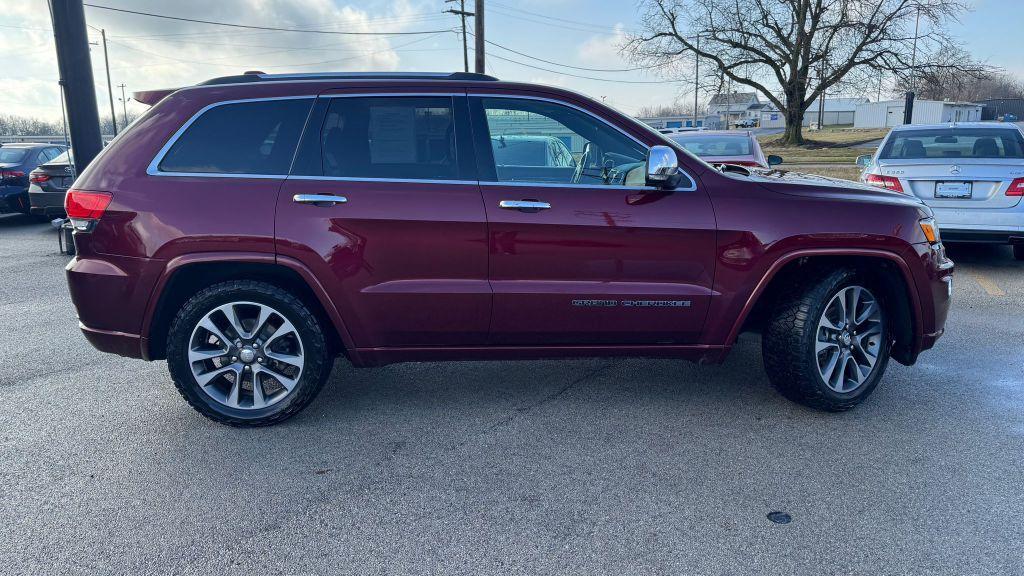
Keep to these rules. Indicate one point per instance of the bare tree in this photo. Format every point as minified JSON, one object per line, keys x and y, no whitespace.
{"x":802,"y":47}
{"x":950,"y":84}
{"x":675,"y":109}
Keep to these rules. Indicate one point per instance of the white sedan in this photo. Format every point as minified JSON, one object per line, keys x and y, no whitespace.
{"x":970,"y":174}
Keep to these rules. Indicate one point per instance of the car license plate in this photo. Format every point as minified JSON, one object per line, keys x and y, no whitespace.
{"x":952,"y":189}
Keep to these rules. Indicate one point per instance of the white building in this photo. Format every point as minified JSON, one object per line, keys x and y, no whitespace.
{"x":838,"y":112}
{"x":683,"y":121}
{"x":735,"y":107}
{"x":890,"y":113}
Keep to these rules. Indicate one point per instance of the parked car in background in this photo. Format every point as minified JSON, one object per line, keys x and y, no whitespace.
{"x":250,"y":229}
{"x":48,"y":183}
{"x":678,"y":130}
{"x":726,"y":147}
{"x":514,"y":153}
{"x":970,"y":174}
{"x":746,"y":123}
{"x":16,"y":161}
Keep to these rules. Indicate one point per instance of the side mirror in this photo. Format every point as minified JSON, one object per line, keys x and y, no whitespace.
{"x":774,"y":160}
{"x":864,"y":160}
{"x":662,"y":166}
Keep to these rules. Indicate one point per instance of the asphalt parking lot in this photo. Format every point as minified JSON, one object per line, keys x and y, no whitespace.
{"x":626,"y":466}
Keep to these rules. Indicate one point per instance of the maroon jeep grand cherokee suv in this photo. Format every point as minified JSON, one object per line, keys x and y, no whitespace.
{"x":251,"y":228}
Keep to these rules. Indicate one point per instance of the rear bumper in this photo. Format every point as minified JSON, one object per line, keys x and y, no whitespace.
{"x":47,"y":203}
{"x":982,"y":236}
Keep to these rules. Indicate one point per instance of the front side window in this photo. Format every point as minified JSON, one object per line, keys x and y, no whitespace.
{"x":954,"y":143}
{"x":546,"y":142}
{"x":256,"y":137}
{"x":401,"y":137}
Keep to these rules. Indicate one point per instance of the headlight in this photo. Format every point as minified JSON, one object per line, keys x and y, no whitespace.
{"x":931,"y":230}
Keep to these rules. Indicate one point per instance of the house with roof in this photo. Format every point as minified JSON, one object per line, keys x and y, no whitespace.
{"x":735,"y":106}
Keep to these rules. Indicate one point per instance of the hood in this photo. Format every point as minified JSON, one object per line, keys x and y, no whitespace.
{"x":799,"y":184}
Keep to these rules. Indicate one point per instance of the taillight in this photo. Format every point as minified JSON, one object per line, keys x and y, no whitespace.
{"x":1016,"y":187}
{"x":38,"y":178}
{"x":887,"y":182}
{"x":85,"y":208}
{"x":11,"y":174}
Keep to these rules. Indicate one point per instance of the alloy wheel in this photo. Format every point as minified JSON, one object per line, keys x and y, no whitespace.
{"x":849,"y":339}
{"x":246,"y":355}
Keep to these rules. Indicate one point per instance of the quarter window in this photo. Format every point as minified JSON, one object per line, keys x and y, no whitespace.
{"x":546,"y":142}
{"x":241,"y":138}
{"x":390,"y":138}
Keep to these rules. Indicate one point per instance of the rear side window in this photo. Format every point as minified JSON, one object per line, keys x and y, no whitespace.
{"x":240,"y":138}
{"x":954,"y":143}
{"x":402,"y":137}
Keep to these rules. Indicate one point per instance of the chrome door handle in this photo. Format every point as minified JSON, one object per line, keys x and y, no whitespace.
{"x":319,"y":199}
{"x":524,"y":205}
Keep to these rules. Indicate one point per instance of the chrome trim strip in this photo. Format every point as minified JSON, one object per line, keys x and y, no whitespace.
{"x":154,"y":170}
{"x":557,"y":185}
{"x":693,"y":182}
{"x":357,"y":75}
{"x":394,"y":95}
{"x":396,"y":180}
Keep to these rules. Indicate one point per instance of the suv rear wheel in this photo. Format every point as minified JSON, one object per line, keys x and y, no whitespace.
{"x":247,"y":353}
{"x":827,"y":344}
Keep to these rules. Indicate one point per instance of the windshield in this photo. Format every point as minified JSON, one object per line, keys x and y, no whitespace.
{"x":12,"y":155}
{"x":954,"y":143}
{"x":714,"y":145}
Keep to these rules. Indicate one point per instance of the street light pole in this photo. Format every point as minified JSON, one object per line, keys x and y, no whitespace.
{"x":124,"y":104}
{"x":110,"y":91}
{"x":696,"y":80}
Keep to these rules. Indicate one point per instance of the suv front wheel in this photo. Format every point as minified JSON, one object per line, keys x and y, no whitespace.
{"x":827,"y":343}
{"x":247,"y":353}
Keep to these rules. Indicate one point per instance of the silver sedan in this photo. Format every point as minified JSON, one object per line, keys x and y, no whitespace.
{"x":970,"y":174}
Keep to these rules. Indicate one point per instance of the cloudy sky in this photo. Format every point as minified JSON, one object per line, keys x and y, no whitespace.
{"x":148,"y":52}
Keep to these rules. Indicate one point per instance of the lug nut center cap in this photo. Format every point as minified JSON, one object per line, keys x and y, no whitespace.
{"x":845,"y":338}
{"x":247,"y":355}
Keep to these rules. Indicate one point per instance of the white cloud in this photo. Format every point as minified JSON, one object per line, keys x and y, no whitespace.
{"x":602,"y":51}
{"x":148,"y":53}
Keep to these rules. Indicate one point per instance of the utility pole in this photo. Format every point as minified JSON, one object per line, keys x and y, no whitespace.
{"x":478,"y":34}
{"x":821,"y":97}
{"x":461,"y":12}
{"x":110,"y":91}
{"x":696,"y":80}
{"x":76,"y":79}
{"x":908,"y":106}
{"x":124,"y":104}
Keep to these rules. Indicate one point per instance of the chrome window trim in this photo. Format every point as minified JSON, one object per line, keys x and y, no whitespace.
{"x":154,"y":166}
{"x":395,"y":180}
{"x":394,"y":95}
{"x":693,"y":183}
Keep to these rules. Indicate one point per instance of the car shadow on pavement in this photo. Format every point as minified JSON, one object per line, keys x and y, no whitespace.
{"x":15,"y":221}
{"x":985,"y":254}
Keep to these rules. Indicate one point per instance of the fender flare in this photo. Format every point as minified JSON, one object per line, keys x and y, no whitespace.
{"x":173,"y":265}
{"x":781,"y":261}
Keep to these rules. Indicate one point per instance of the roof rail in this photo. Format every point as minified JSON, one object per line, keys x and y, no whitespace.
{"x":261,"y":77}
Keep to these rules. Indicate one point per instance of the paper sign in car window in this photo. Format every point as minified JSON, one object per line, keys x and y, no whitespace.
{"x":392,"y":135}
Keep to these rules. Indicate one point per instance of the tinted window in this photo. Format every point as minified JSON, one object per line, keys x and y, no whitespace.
{"x":12,"y":155}
{"x":390,"y":137}
{"x":242,"y":138}
{"x":714,"y":145}
{"x":540,"y":141}
{"x":954,"y":143}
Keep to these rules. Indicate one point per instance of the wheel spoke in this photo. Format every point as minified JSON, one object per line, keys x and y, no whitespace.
{"x":852,"y":343}
{"x":231,"y":313}
{"x":265,"y":313}
{"x":853,"y":294}
{"x":285,"y":381}
{"x":197,"y":355}
{"x":284,"y":329}
{"x":869,"y":311}
{"x":236,"y":388}
{"x":830,"y":366}
{"x":824,"y":345}
{"x":290,"y":359}
{"x":208,"y":325}
{"x":206,"y":377}
{"x":258,"y":401}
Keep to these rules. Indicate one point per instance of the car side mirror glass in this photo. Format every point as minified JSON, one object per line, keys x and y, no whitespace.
{"x":662,"y":166}
{"x":774,"y":160}
{"x":864,"y":160}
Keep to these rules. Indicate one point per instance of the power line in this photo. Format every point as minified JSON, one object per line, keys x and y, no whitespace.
{"x":253,"y":27}
{"x":578,"y":75}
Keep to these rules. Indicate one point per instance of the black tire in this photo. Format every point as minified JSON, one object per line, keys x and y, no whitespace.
{"x":788,"y":342}
{"x":1018,"y":251}
{"x":317,"y":358}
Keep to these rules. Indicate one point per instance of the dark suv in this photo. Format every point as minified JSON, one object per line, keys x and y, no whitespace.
{"x":251,"y":228}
